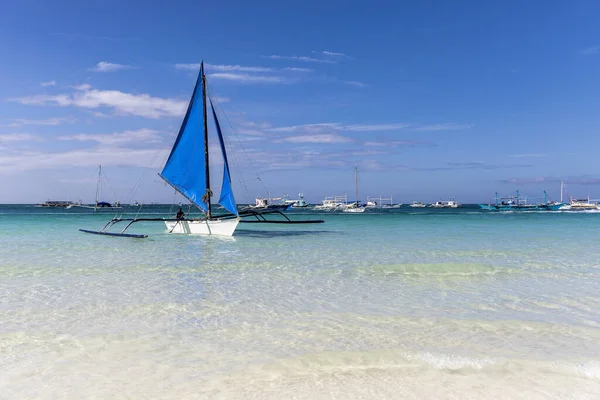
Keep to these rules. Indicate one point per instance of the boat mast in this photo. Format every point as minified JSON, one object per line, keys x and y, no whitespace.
{"x":98,"y":186}
{"x":356,"y":182}
{"x":206,"y":167}
{"x":562,"y":185}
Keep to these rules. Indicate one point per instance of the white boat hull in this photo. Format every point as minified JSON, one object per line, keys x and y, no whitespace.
{"x":355,"y":210}
{"x":219,"y":227}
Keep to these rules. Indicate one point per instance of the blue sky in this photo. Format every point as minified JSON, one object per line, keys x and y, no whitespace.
{"x":429,"y":99}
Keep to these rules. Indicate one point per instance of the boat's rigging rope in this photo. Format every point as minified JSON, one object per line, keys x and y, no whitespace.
{"x":254,"y":170}
{"x":138,"y":183}
{"x":109,"y":185}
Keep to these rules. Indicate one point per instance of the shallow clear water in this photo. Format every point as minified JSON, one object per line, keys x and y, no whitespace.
{"x":398,"y":304}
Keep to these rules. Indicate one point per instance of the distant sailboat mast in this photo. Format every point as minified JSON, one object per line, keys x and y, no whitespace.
{"x":98,"y":186}
{"x":356,"y":183}
{"x":562,"y":188}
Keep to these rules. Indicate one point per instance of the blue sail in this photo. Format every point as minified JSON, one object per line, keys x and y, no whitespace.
{"x":226,"y":199}
{"x":185,"y":168}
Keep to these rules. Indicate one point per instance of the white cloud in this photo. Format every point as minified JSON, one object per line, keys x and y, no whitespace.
{"x":104,"y":66}
{"x":375,"y":127}
{"x":83,"y":86}
{"x":444,"y":127}
{"x":297,"y":69}
{"x":367,"y":152}
{"x":336,"y":126}
{"x":49,"y":83}
{"x":252,"y":124}
{"x":333,"y":54}
{"x":18,"y":137}
{"x":325,"y":57}
{"x":301,"y":58}
{"x":356,"y":83}
{"x":188,"y":67}
{"x":49,"y":121}
{"x":250,"y":132}
{"x":397,"y":143}
{"x":219,"y":99}
{"x":590,"y":51}
{"x":28,"y":161}
{"x":246,"y":74}
{"x":529,"y":155}
{"x":229,"y":68}
{"x":325,"y":138}
{"x":222,"y":68}
{"x":308,"y":128}
{"x":121,"y":103}
{"x":118,"y":138}
{"x":295,"y":160}
{"x":247,"y":78}
{"x":82,"y":181}
{"x":99,"y":114}
{"x":250,"y":138}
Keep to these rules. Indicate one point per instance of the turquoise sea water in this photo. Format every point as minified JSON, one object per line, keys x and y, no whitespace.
{"x":401,"y":303}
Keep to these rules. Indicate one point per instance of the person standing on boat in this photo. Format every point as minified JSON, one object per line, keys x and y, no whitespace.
{"x":180,"y":214}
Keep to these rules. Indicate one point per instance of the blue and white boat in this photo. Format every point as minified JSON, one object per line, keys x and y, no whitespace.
{"x":187,"y":170}
{"x":300,"y":202}
{"x":520,"y":203}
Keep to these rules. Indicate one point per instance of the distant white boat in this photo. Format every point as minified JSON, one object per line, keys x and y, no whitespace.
{"x":355,"y":209}
{"x":446,"y":204}
{"x":581,"y":205}
{"x":275,"y":203}
{"x":418,"y":204}
{"x":333,"y":203}
{"x":381,"y":202}
{"x":578,"y":204}
{"x":58,"y":204}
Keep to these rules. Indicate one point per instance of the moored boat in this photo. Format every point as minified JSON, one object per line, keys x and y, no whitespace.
{"x":300,"y":203}
{"x":520,"y":203}
{"x":445,"y":204}
{"x":381,"y":202}
{"x":581,"y":205}
{"x":265,"y":203}
{"x":333,"y":203}
{"x":355,"y":207}
{"x":578,"y":204}
{"x":58,"y":204}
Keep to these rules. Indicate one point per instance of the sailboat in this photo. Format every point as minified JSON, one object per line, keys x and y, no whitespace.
{"x":577,"y":204}
{"x":355,"y":207}
{"x":187,"y":170}
{"x":103,"y":204}
{"x":99,"y":204}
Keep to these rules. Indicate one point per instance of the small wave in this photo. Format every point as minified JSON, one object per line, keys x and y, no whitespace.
{"x":433,"y":269}
{"x":586,"y":369}
{"x":453,"y":362}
